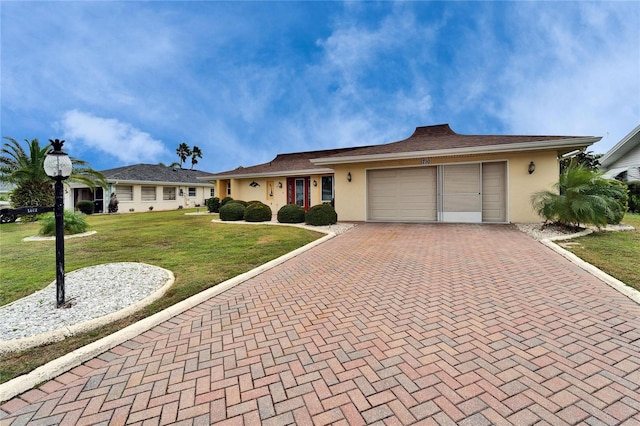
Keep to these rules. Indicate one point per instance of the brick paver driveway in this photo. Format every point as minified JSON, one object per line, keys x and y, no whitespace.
{"x":387,"y":324}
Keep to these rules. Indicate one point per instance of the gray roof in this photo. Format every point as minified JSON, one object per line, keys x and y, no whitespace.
{"x":154,"y":173}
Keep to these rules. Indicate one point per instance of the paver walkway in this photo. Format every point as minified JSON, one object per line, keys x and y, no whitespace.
{"x":386,"y":324}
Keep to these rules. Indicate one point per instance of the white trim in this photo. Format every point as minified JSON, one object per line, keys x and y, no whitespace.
{"x":289,"y":173}
{"x":613,"y":155}
{"x":488,"y":149}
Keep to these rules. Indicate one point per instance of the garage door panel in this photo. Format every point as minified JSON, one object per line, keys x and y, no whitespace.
{"x":402,"y":194}
{"x":494,"y":197}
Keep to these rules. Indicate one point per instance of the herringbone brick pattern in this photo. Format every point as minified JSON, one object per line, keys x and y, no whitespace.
{"x":386,"y":324}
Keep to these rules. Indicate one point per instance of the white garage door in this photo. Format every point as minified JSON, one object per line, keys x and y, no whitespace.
{"x":461,"y":197}
{"x":402,"y":194}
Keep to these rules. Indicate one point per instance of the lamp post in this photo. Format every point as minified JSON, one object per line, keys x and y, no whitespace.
{"x":57,"y":165}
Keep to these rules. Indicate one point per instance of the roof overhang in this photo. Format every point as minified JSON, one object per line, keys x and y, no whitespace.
{"x":558,"y":144}
{"x":621,"y":148}
{"x":305,"y":172}
{"x":142,"y":182}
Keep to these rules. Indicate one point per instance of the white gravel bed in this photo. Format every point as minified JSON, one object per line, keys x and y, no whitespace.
{"x":337,"y":228}
{"x":90,"y":292}
{"x":542,"y":231}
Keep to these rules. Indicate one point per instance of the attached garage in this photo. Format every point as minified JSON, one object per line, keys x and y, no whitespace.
{"x":474,"y":192}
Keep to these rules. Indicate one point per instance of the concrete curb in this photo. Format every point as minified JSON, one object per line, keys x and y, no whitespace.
{"x":616,"y":284}
{"x":65,"y":363}
{"x":15,"y":345}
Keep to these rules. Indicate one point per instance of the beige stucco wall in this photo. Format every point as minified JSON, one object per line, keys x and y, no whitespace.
{"x":351,"y":199}
{"x":202,"y":194}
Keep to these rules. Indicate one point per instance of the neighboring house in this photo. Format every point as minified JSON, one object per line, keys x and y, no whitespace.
{"x":436,"y":175}
{"x":141,"y":186}
{"x":622,"y":162}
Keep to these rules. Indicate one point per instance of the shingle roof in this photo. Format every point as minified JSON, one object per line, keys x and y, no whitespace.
{"x":154,"y":173}
{"x":285,"y":164}
{"x":441,"y":137}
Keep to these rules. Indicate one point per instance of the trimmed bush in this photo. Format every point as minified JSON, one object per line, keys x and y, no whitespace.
{"x":225,"y":200}
{"x":257,"y":212}
{"x":213,"y":205}
{"x":621,"y":205}
{"x":634,"y":196}
{"x":244,"y":203}
{"x":85,"y":206}
{"x":321,"y":215}
{"x":291,"y":213}
{"x":74,"y":223}
{"x":232,"y":212}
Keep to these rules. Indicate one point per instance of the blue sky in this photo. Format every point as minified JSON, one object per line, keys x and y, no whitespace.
{"x":126,"y":82}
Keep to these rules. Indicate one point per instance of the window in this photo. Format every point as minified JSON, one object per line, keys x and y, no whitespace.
{"x":124,"y":193}
{"x":169,"y":193}
{"x":228,"y":187}
{"x":192,"y":192}
{"x":327,"y":189}
{"x":148,"y":193}
{"x":212,"y":192}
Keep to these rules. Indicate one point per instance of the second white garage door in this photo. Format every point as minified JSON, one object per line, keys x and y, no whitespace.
{"x":402,"y":194}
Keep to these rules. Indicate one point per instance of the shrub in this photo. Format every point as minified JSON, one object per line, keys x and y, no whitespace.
{"x":634,"y":196}
{"x":257,"y":212}
{"x":244,"y":203}
{"x":232,"y":211}
{"x":321,"y":215}
{"x":85,"y":206}
{"x":584,"y":198}
{"x":31,"y":194}
{"x":291,"y":213}
{"x":225,"y":200}
{"x":74,"y":223}
{"x":622,"y":202}
{"x":213,"y":204}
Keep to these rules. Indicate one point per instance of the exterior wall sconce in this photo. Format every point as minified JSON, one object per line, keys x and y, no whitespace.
{"x":349,"y":177}
{"x":181,"y":192}
{"x":315,"y":182}
{"x":280,"y":185}
{"x":532,"y":167}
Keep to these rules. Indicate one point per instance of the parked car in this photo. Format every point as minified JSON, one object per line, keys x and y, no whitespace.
{"x":5,"y":216}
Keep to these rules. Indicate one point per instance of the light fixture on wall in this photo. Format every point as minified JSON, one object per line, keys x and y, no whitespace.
{"x":349,"y":177}
{"x":280,"y":185}
{"x":315,"y":182}
{"x":270,"y":189}
{"x":532,"y":167}
{"x":181,"y":192}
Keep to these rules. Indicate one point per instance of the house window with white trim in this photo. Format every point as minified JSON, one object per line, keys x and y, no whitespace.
{"x":192,"y":192}
{"x":228,"y":187}
{"x":212,"y":192}
{"x":169,"y":193}
{"x":148,"y":193}
{"x":124,"y":192}
{"x":327,"y":189}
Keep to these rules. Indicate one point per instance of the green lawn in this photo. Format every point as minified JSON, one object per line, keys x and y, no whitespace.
{"x":200,"y":253}
{"x":616,"y":253}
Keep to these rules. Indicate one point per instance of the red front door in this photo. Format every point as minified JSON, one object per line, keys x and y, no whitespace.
{"x":298,"y":192}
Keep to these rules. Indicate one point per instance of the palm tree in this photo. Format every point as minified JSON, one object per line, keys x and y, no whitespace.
{"x":582,"y":197}
{"x":195,"y":154}
{"x":183,"y":152}
{"x":26,"y":171}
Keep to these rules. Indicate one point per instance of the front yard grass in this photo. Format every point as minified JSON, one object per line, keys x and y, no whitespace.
{"x":200,"y":253}
{"x":616,"y":253}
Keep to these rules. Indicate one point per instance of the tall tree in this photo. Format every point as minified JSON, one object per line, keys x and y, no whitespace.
{"x":26,"y":171}
{"x":195,"y":154}
{"x":183,"y":152}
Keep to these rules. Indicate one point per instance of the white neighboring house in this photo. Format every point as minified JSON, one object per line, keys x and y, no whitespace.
{"x":622,"y":162}
{"x":139,"y":187}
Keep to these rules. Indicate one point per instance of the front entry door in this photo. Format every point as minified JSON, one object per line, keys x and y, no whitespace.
{"x":298,"y":192}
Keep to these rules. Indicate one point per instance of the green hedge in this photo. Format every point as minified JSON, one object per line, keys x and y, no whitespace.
{"x":321,"y":215}
{"x":232,"y":212}
{"x":86,"y":206}
{"x":634,"y":196}
{"x":213,"y":205}
{"x":74,"y":223}
{"x":257,"y":212}
{"x":291,"y":213}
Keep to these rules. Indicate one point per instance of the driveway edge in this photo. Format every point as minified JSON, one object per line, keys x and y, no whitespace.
{"x":66,"y":362}
{"x":615,"y":283}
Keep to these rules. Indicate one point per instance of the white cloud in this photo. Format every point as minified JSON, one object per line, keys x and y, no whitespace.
{"x":110,"y":136}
